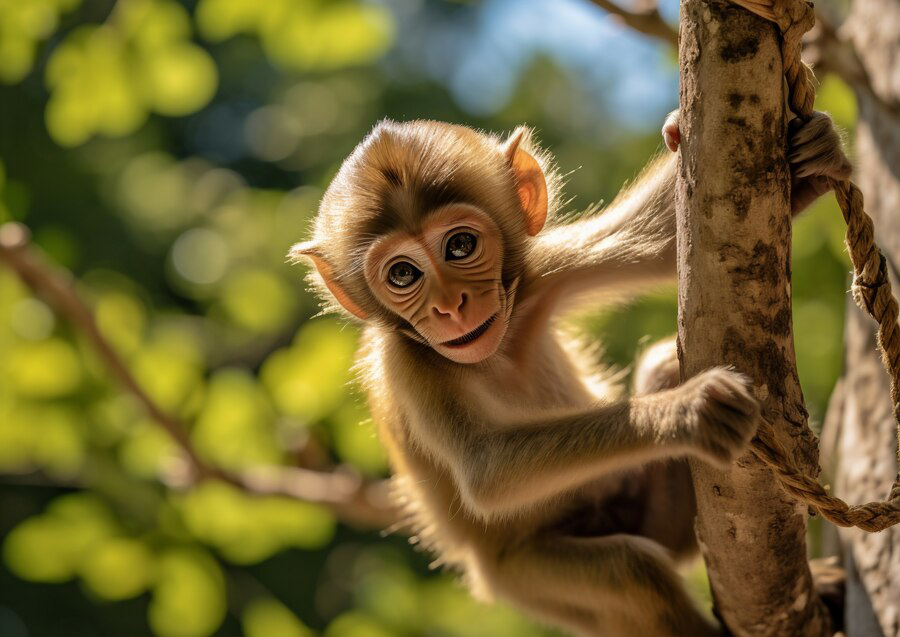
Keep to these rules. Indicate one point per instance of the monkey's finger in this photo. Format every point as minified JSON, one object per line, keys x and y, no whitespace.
{"x":827,"y":141}
{"x":800,"y":132}
{"x":734,"y":396}
{"x":671,"y":131}
{"x":828,"y":162}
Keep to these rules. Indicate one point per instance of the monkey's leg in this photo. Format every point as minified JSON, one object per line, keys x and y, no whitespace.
{"x":657,"y":368}
{"x":613,"y":586}
{"x":670,"y":506}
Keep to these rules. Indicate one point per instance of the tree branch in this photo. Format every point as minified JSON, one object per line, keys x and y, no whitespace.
{"x":734,"y":308}
{"x":646,"y":20}
{"x":344,"y":492}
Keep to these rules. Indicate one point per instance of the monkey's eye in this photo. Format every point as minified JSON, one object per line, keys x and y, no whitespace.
{"x":460,"y":245}
{"x":403,"y":274}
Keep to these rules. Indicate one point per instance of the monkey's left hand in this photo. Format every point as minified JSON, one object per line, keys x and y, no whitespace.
{"x":815,"y":154}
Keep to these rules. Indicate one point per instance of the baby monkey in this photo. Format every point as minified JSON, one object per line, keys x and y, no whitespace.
{"x":519,"y":465}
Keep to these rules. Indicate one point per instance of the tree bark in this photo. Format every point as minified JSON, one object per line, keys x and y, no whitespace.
{"x":866,"y":440}
{"x":734,"y":233}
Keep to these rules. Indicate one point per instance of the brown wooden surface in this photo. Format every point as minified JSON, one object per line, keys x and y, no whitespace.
{"x":735,"y":309}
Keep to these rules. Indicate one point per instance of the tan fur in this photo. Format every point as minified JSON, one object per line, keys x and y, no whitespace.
{"x":523,"y":471}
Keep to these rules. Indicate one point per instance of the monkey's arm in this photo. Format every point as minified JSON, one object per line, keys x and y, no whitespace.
{"x":499,"y":471}
{"x":631,"y":243}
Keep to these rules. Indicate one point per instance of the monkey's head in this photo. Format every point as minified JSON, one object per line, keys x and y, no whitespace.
{"x":424,"y":229}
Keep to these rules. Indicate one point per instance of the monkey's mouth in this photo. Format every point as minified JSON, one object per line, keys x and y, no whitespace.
{"x":465,"y":339}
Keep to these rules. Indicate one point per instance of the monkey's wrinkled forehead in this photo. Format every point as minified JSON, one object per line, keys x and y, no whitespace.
{"x":403,"y":171}
{"x":405,"y":205}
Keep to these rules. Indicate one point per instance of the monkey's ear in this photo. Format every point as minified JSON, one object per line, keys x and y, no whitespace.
{"x":310,"y":250}
{"x":530,"y":183}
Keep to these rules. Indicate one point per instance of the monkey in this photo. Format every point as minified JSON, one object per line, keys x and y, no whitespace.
{"x":519,"y":463}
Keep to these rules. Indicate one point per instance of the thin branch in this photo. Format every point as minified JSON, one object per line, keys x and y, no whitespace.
{"x":345,"y":493}
{"x":352,"y":499}
{"x":645,"y":19}
{"x":57,"y":288}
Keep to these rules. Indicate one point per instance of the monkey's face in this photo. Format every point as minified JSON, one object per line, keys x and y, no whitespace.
{"x":445,"y":281}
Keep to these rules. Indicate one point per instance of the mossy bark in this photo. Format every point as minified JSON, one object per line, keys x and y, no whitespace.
{"x":734,"y":239}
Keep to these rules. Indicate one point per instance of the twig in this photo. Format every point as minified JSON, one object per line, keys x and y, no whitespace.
{"x":345,"y":493}
{"x":645,"y":20}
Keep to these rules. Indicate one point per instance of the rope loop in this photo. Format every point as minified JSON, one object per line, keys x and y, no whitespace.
{"x":871,"y":287}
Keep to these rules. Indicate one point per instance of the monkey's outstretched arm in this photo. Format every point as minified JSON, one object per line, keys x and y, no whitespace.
{"x":711,"y":416}
{"x":631,"y":243}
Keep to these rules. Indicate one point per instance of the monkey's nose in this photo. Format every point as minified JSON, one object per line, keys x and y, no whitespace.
{"x":450,"y":306}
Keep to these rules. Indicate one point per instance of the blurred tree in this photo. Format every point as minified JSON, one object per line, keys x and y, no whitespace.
{"x":861,"y":431}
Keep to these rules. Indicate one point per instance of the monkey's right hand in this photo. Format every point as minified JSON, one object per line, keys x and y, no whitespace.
{"x":720,"y":414}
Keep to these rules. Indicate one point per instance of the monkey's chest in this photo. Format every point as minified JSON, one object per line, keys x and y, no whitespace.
{"x":545,"y":391}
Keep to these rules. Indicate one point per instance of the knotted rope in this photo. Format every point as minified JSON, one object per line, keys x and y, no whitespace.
{"x":871,"y":287}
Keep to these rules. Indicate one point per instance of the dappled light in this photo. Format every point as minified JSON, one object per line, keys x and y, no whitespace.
{"x":165,"y":155}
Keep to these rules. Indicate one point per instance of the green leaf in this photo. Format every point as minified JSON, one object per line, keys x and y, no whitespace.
{"x":355,"y":440}
{"x":303,"y":35}
{"x":43,"y":369}
{"x":53,"y":546}
{"x":189,"y":596}
{"x":836,"y":97}
{"x":121,"y":318}
{"x":107,"y":79}
{"x":236,"y":424}
{"x":307,"y":380}
{"x":149,"y":451}
{"x":258,"y":299}
{"x":22,"y":26}
{"x":249,"y":529}
{"x":357,"y":624}
{"x":118,"y":568}
{"x":266,"y":617}
{"x":178,"y":80}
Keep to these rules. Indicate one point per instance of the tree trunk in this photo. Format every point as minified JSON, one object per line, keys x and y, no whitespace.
{"x":734,"y":233}
{"x":866,"y":441}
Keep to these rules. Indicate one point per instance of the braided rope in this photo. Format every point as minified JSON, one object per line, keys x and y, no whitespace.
{"x":871,"y":288}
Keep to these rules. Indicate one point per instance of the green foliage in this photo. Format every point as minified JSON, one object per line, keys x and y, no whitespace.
{"x":22,"y":26}
{"x":106,"y":79}
{"x":44,"y":369}
{"x":835,"y":97}
{"x":308,"y":379}
{"x":248,"y":530}
{"x":169,"y":152}
{"x":55,"y":546}
{"x":258,"y":300}
{"x":269,"y":618}
{"x":189,"y":596}
{"x":118,"y":568}
{"x":354,"y":439}
{"x":235,"y":425}
{"x":302,"y":34}
{"x":44,"y":436}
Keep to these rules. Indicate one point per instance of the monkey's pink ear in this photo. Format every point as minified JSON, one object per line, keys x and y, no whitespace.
{"x":310,"y":250}
{"x":530,"y":183}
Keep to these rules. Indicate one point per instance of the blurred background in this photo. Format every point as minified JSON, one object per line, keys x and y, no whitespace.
{"x":167,"y":153}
